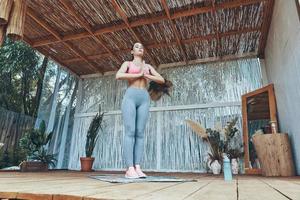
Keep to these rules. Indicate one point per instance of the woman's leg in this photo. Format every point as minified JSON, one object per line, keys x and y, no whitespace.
{"x":129,"y":115}
{"x":142,"y":114}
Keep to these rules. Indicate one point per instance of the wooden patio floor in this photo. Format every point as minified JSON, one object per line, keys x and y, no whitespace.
{"x":56,"y":185}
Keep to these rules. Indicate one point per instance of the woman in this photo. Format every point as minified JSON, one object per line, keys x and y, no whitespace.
{"x":135,"y":108}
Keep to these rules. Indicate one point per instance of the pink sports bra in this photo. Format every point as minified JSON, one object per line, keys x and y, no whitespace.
{"x":133,"y":69}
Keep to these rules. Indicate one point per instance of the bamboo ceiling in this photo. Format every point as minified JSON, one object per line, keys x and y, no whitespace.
{"x":95,"y":36}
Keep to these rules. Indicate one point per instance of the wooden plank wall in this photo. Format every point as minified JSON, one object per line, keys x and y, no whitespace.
{"x":13,"y":126}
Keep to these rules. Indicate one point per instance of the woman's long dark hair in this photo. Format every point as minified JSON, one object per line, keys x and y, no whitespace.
{"x":157,"y":90}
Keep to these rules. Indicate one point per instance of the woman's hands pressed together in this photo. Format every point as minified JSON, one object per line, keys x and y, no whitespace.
{"x":148,"y":76}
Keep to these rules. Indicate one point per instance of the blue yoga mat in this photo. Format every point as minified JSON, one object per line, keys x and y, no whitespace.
{"x":117,"y":178}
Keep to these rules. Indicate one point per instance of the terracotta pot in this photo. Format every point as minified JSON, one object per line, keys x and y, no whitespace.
{"x":86,"y":163}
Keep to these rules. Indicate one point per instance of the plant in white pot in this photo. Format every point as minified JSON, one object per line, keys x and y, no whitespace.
{"x":91,"y":139}
{"x":212,"y":137}
{"x":233,"y":145}
{"x":219,"y":141}
{"x":216,"y":147}
{"x":234,"y":156}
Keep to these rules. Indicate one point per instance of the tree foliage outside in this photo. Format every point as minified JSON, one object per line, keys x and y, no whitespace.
{"x":24,"y":74}
{"x":22,"y":71}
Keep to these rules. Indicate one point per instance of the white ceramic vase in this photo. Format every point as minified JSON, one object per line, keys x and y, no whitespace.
{"x":216,"y":167}
{"x":234,"y":166}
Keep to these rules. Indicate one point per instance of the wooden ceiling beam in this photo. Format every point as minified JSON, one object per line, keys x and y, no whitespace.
{"x":32,"y":14}
{"x":125,"y":19}
{"x":100,"y":31}
{"x":237,"y":3}
{"x":96,"y":56}
{"x":190,"y":62}
{"x":206,"y":9}
{"x":148,"y":20}
{"x":27,"y":40}
{"x":178,"y":40}
{"x":54,"y":58}
{"x":268,"y":11}
{"x":145,"y":21}
{"x":184,"y":41}
{"x":62,"y":64}
{"x":210,"y":60}
{"x":72,"y":12}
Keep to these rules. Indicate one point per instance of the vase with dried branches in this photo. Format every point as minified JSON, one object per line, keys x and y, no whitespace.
{"x":218,"y":140}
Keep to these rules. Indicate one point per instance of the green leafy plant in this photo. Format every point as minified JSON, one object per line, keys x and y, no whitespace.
{"x":93,"y":133}
{"x":42,"y":156}
{"x":34,"y":139}
{"x":33,"y":144}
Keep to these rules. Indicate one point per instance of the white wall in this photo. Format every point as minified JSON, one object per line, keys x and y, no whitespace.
{"x":282,"y":60}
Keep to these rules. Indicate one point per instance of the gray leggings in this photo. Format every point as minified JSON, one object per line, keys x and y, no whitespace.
{"x":135,"y":112}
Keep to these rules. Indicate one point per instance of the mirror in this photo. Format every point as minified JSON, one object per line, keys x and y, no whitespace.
{"x":258,"y":110}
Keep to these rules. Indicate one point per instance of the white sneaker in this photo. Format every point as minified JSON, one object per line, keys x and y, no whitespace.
{"x":130,"y":173}
{"x":140,"y":173}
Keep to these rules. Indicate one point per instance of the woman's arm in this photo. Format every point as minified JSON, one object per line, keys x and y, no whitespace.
{"x":156,"y":77}
{"x":122,"y":75}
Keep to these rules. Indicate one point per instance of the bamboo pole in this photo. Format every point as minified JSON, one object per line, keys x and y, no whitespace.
{"x":15,"y":27}
{"x":5,"y":8}
{"x":2,"y":34}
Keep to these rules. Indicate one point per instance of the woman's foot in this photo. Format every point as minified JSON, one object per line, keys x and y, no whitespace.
{"x":131,"y":173}
{"x":139,"y":172}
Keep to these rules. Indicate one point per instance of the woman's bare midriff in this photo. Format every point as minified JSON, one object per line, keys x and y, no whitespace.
{"x":140,"y":83}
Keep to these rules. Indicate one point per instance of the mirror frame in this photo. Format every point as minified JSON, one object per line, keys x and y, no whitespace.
{"x":298,"y":7}
{"x":273,"y":117}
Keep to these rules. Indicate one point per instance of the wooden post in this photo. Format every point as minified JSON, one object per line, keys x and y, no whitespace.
{"x":274,"y":154}
{"x":5,"y":8}
{"x":2,"y":34}
{"x":15,"y":27}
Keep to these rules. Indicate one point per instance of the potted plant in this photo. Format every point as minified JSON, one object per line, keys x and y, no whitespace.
{"x":234,"y":152}
{"x":33,"y":144}
{"x":219,"y":141}
{"x":91,"y":139}
{"x":216,"y":153}
{"x":234,"y":155}
{"x":212,"y":137}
